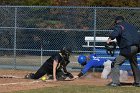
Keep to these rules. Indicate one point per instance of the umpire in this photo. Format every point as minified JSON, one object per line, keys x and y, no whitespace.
{"x":128,"y":40}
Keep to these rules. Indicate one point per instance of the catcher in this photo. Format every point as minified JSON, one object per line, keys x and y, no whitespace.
{"x":54,"y":67}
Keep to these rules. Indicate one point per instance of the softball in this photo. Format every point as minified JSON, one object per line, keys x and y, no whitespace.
{"x":43,"y":78}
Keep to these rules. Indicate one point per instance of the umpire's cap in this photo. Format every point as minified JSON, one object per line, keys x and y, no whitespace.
{"x":119,"y":18}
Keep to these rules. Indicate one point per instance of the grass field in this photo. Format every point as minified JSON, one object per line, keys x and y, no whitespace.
{"x":84,"y":89}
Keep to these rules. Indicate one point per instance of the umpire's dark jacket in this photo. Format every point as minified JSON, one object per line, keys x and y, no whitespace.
{"x":126,"y":36}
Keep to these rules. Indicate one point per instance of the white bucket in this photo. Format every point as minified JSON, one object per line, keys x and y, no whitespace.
{"x":123,"y":75}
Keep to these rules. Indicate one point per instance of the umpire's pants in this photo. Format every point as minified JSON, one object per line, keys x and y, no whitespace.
{"x":115,"y":71}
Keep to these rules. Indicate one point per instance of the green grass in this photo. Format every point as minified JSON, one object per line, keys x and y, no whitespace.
{"x":83,"y":89}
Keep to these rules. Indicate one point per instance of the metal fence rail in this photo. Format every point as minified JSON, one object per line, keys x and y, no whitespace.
{"x":30,"y":34}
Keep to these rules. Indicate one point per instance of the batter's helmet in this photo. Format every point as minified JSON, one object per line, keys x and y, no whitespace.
{"x":110,"y":48}
{"x":82,"y":59}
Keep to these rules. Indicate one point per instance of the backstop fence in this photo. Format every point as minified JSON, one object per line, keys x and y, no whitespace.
{"x":30,"y":34}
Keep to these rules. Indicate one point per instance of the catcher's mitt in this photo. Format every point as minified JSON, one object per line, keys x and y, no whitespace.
{"x":68,"y":74}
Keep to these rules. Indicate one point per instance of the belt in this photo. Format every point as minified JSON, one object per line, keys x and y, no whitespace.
{"x":135,"y":45}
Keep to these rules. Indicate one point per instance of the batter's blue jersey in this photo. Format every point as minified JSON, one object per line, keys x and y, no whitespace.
{"x":96,"y":62}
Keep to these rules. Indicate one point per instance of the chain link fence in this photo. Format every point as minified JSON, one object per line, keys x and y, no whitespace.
{"x":30,"y":34}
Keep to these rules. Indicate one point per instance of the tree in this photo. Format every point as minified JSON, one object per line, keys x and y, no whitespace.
{"x":112,"y":3}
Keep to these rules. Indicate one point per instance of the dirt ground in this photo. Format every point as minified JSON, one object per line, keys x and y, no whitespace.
{"x":19,"y":83}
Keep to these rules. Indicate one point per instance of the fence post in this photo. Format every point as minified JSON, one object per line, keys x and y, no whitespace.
{"x":41,"y":55}
{"x":94,"y":30}
{"x":94,"y":50}
{"x":15,"y":28}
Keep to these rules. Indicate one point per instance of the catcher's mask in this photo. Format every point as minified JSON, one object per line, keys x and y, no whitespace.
{"x":65,"y":52}
{"x":110,"y":48}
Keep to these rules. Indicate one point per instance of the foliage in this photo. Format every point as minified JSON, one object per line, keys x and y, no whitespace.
{"x":116,"y":3}
{"x":26,"y":2}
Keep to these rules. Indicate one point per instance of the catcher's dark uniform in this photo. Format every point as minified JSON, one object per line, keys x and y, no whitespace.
{"x":47,"y":68}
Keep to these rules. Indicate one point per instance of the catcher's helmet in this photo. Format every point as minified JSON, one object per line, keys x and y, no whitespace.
{"x":65,"y":52}
{"x":82,"y":59}
{"x":110,"y":48}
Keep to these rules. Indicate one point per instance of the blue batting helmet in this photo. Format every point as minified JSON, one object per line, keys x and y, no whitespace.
{"x":82,"y":59}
